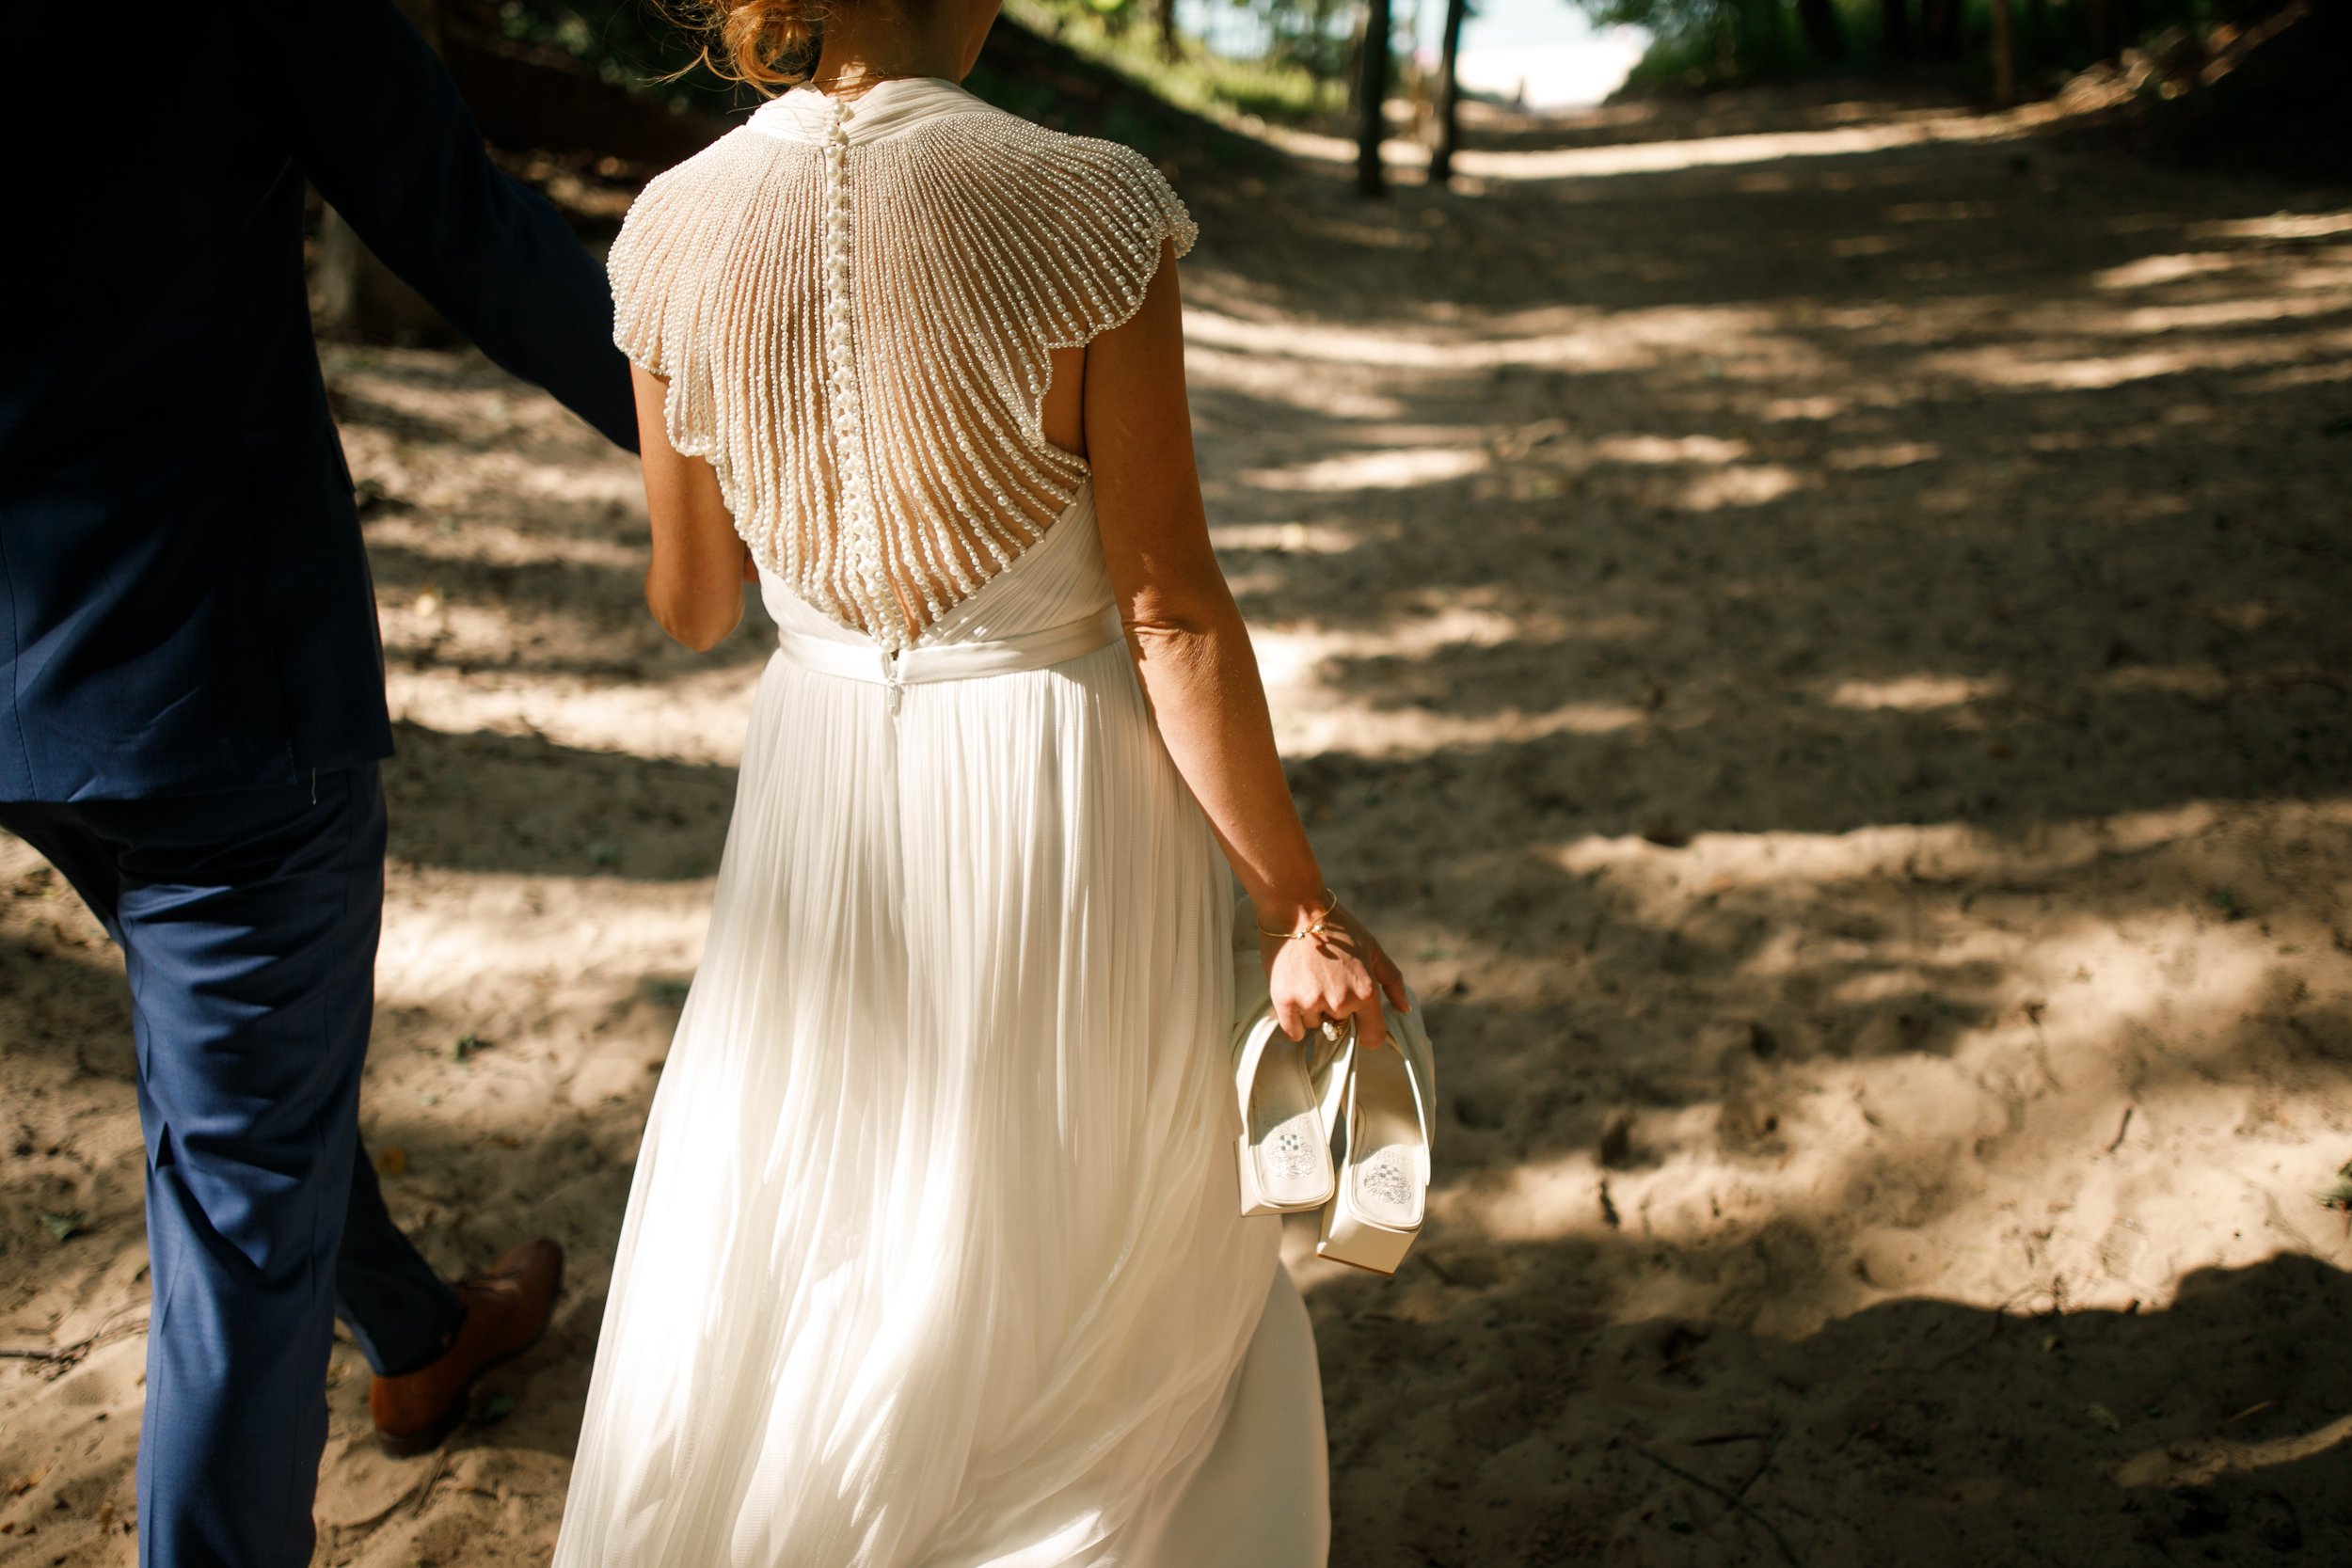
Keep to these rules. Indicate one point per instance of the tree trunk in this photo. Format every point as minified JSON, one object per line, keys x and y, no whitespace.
{"x":2004,"y":55}
{"x":1821,"y":33}
{"x":1372,"y":94}
{"x":2092,"y":16}
{"x":1352,"y":65}
{"x":1449,"y":94}
{"x":1164,"y":20}
{"x":1895,"y":28}
{"x":1939,"y":25}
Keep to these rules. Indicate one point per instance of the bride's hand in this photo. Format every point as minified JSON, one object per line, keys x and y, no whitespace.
{"x":1341,"y":973}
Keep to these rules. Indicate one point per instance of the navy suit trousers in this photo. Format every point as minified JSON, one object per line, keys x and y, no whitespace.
{"x":248,"y":920}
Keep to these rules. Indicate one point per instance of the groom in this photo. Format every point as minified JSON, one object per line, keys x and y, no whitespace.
{"x":192,"y":707}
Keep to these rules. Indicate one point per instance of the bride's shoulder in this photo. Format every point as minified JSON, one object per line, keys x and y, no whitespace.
{"x":735,"y":152}
{"x":999,"y":159}
{"x":983,"y":128}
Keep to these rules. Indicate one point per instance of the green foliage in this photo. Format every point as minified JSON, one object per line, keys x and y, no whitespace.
{"x":629,"y":44}
{"x":1284,"y":84}
{"x":1706,"y":43}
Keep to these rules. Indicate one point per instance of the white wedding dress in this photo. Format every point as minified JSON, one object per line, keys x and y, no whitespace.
{"x":933,"y":1256}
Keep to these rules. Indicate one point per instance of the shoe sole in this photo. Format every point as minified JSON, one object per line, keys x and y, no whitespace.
{"x":425,"y":1439}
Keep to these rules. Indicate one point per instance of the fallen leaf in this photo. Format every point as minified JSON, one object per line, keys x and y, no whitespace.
{"x":391,"y":1160}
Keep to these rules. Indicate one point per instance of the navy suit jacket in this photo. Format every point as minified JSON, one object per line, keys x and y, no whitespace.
{"x":185,"y":600}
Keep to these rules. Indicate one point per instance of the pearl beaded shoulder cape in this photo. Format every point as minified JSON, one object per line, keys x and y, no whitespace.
{"x":934,"y":1255}
{"x":948,"y":247}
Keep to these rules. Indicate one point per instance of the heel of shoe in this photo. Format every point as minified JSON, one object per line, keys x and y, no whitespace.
{"x":1349,"y":1238}
{"x":1381,"y":1135}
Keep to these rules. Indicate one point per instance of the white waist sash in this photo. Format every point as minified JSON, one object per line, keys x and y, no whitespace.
{"x":950,"y":662}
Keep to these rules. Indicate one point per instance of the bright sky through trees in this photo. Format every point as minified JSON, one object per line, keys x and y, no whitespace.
{"x":1549,"y":46}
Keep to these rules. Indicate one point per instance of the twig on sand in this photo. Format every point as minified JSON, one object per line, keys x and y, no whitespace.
{"x":2249,"y":1410}
{"x":2120,"y":1128}
{"x":1788,"y":1553}
{"x":1764,"y":1463}
{"x":433,"y":1479}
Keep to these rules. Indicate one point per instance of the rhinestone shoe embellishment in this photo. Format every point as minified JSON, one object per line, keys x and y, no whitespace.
{"x":1385,"y":1178}
{"x":1288,"y":1152}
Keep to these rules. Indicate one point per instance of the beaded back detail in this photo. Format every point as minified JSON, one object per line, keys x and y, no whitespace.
{"x":856,"y":331}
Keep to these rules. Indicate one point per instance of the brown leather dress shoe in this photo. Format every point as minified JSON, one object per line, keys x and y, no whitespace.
{"x":506,"y":1309}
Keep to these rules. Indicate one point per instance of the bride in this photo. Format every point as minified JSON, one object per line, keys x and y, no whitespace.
{"x":933,"y":1256}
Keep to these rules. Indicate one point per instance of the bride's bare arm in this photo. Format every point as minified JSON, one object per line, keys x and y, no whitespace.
{"x":696,"y":584}
{"x":1197,"y":669}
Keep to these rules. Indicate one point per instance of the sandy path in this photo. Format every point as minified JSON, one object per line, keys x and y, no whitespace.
{"x":1816,"y":627}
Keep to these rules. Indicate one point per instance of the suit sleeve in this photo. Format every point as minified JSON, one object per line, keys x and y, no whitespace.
{"x":373,"y":119}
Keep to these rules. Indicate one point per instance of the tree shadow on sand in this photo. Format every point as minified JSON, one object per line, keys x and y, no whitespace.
{"x":1913,"y":1431}
{"x":481,"y":803}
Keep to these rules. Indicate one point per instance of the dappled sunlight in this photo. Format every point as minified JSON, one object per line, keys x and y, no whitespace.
{"x":452,"y":935}
{"x":2278,"y":226}
{"x":1904,"y":1042}
{"x":2049,"y":367}
{"x":2154,"y":271}
{"x":1894,"y":131}
{"x":1289,"y":538}
{"x":1384,"y":469}
{"x":2150,"y":318}
{"x":1889,"y":1152}
{"x":1665,"y":449}
{"x":500,"y":543}
{"x":1897,"y":454}
{"x":1913,"y":693}
{"x":1265,"y":380}
{"x":1741,"y":485}
{"x":694,"y":718}
{"x":1589,"y":341}
{"x":1377,"y":733}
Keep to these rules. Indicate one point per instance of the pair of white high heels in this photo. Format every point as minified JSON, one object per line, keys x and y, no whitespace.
{"x":1326,"y":1125}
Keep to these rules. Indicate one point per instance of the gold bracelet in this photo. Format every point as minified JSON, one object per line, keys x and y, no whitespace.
{"x":1330,"y":908}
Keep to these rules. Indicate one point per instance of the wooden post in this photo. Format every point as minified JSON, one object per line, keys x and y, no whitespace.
{"x":1449,"y":94}
{"x":1822,"y":35}
{"x":1895,"y":28}
{"x":1373,"y":99}
{"x":2004,"y":55}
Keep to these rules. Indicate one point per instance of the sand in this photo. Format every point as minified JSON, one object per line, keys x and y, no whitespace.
{"x":1814,"y":621}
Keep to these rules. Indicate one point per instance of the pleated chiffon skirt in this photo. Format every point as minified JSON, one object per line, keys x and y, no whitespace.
{"x":932,"y":1255}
